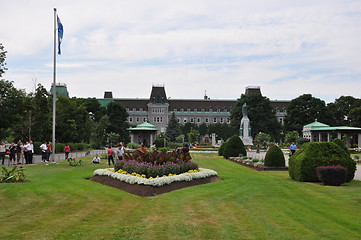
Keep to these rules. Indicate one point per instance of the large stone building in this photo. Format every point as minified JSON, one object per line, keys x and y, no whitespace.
{"x":157,"y":109}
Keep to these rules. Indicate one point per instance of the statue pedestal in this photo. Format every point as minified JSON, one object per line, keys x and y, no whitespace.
{"x":247,"y":140}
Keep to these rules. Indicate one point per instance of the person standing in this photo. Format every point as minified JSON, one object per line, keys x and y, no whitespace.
{"x":120,"y":152}
{"x":67,"y":151}
{"x":12,"y":153}
{"x":19,"y":150}
{"x":110,"y":155}
{"x":49,"y":152}
{"x":31,"y":152}
{"x":44,"y":152}
{"x":293,"y":148}
{"x":2,"y":152}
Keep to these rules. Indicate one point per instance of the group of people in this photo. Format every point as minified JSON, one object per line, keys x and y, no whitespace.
{"x":111,"y":154}
{"x":16,"y":151}
{"x":46,"y":150}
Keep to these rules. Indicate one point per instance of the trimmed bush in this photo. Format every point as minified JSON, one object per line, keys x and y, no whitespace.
{"x":234,"y":147}
{"x":341,"y":144}
{"x":303,"y":164}
{"x":274,"y":157}
{"x":221,"y":149}
{"x":332,"y":175}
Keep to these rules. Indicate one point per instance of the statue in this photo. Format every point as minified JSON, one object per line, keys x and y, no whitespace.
{"x":245,"y":127}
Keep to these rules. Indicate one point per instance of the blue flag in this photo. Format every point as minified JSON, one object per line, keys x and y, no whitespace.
{"x":60,"y":34}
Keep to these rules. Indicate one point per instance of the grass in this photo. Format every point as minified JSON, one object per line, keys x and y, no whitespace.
{"x":58,"y":202}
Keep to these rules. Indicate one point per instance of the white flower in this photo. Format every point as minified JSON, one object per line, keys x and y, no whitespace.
{"x":157,"y":182}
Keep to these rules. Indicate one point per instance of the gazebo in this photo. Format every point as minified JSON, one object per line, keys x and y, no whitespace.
{"x":143,"y":133}
{"x":320,"y":132}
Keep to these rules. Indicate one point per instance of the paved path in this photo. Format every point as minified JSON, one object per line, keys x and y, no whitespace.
{"x":262,"y":154}
{"x":60,"y":156}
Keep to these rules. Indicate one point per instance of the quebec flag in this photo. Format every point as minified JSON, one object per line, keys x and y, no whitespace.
{"x":60,"y":34}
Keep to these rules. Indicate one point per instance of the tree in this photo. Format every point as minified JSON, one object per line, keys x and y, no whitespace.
{"x":173,"y":129}
{"x":291,"y":137}
{"x":193,"y":136}
{"x":340,"y":110}
{"x":203,"y":129}
{"x":40,"y":115}
{"x":118,"y":121}
{"x":12,"y":106}
{"x":355,"y":117}
{"x":98,"y":135}
{"x":260,"y":113}
{"x":263,"y":138}
{"x":304,"y":110}
{"x":2,"y":60}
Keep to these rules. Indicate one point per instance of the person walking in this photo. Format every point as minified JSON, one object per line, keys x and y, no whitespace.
{"x":66,"y":151}
{"x":120,"y":152}
{"x":293,"y":148}
{"x":44,"y":152}
{"x":110,"y":155}
{"x":2,"y":152}
{"x":19,"y":151}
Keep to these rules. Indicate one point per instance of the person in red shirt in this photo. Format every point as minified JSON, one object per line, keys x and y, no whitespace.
{"x":143,"y":149}
{"x":110,"y":155}
{"x":50,"y":151}
{"x":67,"y":151}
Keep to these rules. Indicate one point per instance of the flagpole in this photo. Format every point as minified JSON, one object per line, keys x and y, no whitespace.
{"x":54,"y":88}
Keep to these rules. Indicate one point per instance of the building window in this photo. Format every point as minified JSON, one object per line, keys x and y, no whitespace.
{"x":182,"y":109}
{"x":195,"y":109}
{"x":127,"y":109}
{"x":184,"y":120}
{"x":174,"y":110}
{"x":144,"y":119}
{"x":188,"y":110}
{"x":225,"y":110}
{"x":228,"y":120}
{"x":202,"y":110}
{"x":192,"y":120}
{"x":199,"y":120}
{"x":211,"y":110}
{"x":130,"y":119}
{"x":178,"y":119}
{"x":218,"y":110}
{"x":214,"y":120}
{"x":137,"y":119}
{"x":134,"y":109}
{"x":221,"y":120}
{"x":140,"y":109}
{"x":207,"y":120}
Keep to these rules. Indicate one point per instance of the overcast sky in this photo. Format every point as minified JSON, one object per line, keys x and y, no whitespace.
{"x":286,"y":47}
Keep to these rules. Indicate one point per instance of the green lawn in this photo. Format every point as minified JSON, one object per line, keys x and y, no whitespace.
{"x":58,"y":202}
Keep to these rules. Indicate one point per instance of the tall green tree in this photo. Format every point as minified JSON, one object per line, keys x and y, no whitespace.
{"x":355,"y":117}
{"x":118,"y":121}
{"x":304,"y":110}
{"x":261,"y":114}
{"x":41,"y":115}
{"x":12,"y":106}
{"x":340,"y":110}
{"x":173,"y":129}
{"x":2,"y":60}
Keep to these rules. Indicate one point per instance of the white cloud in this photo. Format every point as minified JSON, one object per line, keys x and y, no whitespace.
{"x":287,"y":47}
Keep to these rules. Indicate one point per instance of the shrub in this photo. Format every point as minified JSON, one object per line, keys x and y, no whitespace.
{"x":15,"y":174}
{"x":221,"y":149}
{"x":302,"y":165}
{"x":274,"y":157}
{"x":341,"y":144}
{"x":133,"y":145}
{"x":234,"y":147}
{"x":332,"y":175}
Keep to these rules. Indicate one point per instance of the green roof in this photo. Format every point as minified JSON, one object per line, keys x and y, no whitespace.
{"x":143,"y":127}
{"x":339,"y":128}
{"x":316,"y":124}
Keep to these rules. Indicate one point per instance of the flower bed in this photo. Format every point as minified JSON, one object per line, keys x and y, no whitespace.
{"x":158,"y":181}
{"x":259,"y":166}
